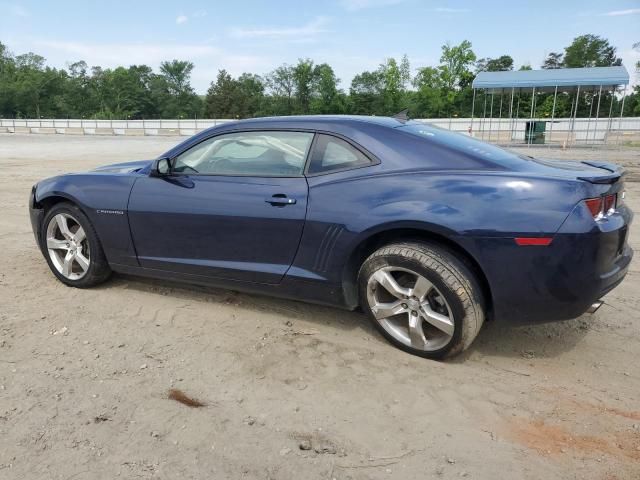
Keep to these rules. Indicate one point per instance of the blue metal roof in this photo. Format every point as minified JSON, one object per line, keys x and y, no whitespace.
{"x":560,"y":77}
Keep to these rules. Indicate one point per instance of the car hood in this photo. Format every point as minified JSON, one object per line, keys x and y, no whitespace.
{"x":126,"y":167}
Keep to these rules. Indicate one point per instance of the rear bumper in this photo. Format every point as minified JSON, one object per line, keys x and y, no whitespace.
{"x":537,"y":284}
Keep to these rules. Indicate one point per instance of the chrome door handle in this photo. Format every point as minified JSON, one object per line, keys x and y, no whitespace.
{"x":280,"y":200}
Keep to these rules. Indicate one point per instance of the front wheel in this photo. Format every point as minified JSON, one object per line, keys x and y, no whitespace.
{"x":422,"y":298}
{"x":72,"y":248}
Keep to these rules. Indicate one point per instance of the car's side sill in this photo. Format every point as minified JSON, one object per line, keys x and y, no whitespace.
{"x":311,"y":291}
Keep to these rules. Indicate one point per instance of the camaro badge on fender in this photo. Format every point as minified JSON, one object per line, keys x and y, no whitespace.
{"x":111,"y":212}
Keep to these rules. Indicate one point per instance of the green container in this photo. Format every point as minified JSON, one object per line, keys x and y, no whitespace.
{"x":535,"y":132}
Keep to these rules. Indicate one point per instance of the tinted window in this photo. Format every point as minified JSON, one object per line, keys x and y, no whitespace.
{"x":331,"y":153}
{"x":465,"y":144}
{"x":263,"y":154}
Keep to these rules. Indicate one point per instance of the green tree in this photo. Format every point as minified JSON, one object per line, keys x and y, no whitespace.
{"x":234,"y":98}
{"x":173,"y":92}
{"x":328,"y":98}
{"x":177,"y":74}
{"x":554,"y":60}
{"x":30,"y":88}
{"x":79,"y":100}
{"x":7,"y":81}
{"x":220,"y":97}
{"x":304,"y":79}
{"x":282,"y":84}
{"x":429,"y":100}
{"x":455,"y":62}
{"x":502,"y":63}
{"x":590,"y":51}
{"x":366,"y":93}
{"x":382,"y":92}
{"x":455,"y":75}
{"x":250,"y":95}
{"x":392,"y":87}
{"x":37,"y":89}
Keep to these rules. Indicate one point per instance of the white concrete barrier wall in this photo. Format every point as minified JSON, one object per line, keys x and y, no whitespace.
{"x":580,"y":130}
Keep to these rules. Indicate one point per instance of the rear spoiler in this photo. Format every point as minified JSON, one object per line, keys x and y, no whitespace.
{"x":614,"y":173}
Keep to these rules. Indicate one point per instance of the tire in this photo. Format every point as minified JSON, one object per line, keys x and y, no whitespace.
{"x":446,"y":319}
{"x":87,"y":265}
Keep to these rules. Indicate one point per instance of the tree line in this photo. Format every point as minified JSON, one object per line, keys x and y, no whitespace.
{"x":31,"y":89}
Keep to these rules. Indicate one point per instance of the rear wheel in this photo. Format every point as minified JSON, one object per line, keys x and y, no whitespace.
{"x":72,"y":247}
{"x":422,"y":298}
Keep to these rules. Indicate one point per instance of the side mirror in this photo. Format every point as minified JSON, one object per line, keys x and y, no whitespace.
{"x":161,"y":167}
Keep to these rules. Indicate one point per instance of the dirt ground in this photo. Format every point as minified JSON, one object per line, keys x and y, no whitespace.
{"x":85,"y":374}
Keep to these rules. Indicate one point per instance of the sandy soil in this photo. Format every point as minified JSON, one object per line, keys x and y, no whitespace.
{"x":85,"y":374}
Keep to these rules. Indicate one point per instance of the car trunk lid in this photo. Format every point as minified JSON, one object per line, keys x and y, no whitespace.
{"x":596,"y":172}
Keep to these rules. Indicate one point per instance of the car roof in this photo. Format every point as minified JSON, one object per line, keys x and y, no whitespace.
{"x":313,"y":121}
{"x":384,"y":138}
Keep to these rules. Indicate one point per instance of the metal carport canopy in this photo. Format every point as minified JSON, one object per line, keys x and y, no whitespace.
{"x":559,"y":77}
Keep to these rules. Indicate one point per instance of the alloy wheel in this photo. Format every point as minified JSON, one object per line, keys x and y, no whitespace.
{"x":68,"y":247}
{"x":410,"y":308}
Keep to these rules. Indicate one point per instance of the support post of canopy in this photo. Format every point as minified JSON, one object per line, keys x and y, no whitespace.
{"x":533,"y":102}
{"x":500,"y":114}
{"x":515,"y":124}
{"x":586,"y":137}
{"x":573,"y":116}
{"x":511,"y":116}
{"x":609,"y":120}
{"x":553,"y":114}
{"x":490,"y":117}
{"x":473,"y":107}
{"x":595,"y":128}
{"x":484,"y":112}
{"x":624,"y":94}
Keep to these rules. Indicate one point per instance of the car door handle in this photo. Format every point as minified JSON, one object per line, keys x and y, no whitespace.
{"x":280,"y":200}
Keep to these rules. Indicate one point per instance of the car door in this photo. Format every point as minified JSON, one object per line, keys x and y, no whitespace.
{"x":232,"y":206}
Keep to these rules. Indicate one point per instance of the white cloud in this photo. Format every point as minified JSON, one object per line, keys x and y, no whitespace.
{"x":619,"y":13}
{"x":314,"y":27}
{"x":451,"y":10}
{"x":354,"y":5}
{"x":108,"y":55}
{"x":629,"y":59}
{"x":14,"y":9}
{"x":180,"y":19}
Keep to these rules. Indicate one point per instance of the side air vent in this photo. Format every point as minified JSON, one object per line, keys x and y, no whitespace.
{"x":329,"y":240}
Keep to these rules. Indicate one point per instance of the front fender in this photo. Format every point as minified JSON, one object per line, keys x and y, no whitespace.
{"x":103,"y":198}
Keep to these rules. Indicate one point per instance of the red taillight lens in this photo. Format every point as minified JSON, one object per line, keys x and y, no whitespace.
{"x":609,"y":203}
{"x":595,"y":206}
{"x":602,"y":206}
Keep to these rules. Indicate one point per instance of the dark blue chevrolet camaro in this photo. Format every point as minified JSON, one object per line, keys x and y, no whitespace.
{"x":428,"y":231}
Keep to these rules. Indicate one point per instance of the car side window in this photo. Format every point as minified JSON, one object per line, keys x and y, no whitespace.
{"x":332,"y":153}
{"x":255,"y":153}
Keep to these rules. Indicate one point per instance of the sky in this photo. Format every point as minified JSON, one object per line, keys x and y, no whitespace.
{"x":350,"y":35}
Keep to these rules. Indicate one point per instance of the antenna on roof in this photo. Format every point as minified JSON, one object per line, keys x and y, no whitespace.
{"x":402,"y":116}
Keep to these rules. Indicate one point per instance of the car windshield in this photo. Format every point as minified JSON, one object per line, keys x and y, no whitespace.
{"x":465,"y":144}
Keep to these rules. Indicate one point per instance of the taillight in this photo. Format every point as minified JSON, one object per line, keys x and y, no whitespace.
{"x":602,"y":206}
{"x":609,"y":204}
{"x":595,"y":206}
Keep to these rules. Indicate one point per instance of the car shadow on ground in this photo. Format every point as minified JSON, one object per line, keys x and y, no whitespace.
{"x":545,"y":340}
{"x":495,"y":339}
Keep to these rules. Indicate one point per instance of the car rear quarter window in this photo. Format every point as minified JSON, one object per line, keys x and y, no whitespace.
{"x":332,"y":153}
{"x":255,"y":153}
{"x":465,"y":146}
